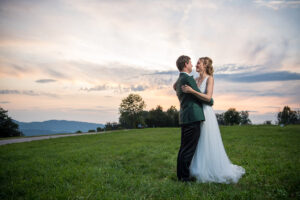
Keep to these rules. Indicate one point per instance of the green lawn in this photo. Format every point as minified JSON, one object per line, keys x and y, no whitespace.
{"x":141,"y":164}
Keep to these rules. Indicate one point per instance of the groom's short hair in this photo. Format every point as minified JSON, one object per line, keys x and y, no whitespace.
{"x":181,"y":62}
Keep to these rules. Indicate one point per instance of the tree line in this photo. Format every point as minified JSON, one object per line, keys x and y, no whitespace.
{"x":233,"y":117}
{"x":133,"y":115}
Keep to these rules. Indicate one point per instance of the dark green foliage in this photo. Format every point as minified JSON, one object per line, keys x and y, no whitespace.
{"x":288,"y":116}
{"x":244,"y":116}
{"x":131,"y":111}
{"x":99,"y":129}
{"x":112,"y":126}
{"x":79,"y":131}
{"x":7,"y":127}
{"x":232,"y":117}
{"x":141,"y":164}
{"x":132,"y":115}
{"x":91,"y":131}
{"x":267,"y":122}
{"x":158,"y":118}
{"x":220,"y":119}
{"x":173,"y":116}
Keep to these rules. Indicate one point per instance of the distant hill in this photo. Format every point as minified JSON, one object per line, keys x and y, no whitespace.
{"x":55,"y":126}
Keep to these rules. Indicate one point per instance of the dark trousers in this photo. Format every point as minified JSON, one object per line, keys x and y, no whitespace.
{"x":190,"y":134}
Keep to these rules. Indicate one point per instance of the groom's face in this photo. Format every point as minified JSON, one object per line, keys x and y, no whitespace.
{"x":189,"y":66}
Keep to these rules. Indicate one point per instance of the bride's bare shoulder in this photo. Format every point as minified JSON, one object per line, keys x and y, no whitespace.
{"x":210,"y":78}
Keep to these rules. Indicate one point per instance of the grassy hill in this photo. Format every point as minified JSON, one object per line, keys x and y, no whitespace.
{"x":141,"y":164}
{"x":55,"y":126}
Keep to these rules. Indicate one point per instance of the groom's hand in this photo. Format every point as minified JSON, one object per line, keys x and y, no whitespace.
{"x":174,"y":85}
{"x":211,"y":103}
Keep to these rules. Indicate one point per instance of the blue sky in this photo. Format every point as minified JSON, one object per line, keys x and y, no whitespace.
{"x":76,"y":60}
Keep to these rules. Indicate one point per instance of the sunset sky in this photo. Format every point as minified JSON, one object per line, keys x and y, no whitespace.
{"x":76,"y":60}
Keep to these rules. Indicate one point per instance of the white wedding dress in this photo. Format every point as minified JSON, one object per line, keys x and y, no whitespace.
{"x":210,"y":162}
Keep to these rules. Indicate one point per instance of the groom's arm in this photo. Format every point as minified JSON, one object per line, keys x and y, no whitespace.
{"x":191,"y":82}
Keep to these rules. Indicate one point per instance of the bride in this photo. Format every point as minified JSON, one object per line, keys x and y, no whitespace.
{"x":210,"y":162}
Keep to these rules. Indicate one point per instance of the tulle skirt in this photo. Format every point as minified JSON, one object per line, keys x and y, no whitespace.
{"x":210,"y":162}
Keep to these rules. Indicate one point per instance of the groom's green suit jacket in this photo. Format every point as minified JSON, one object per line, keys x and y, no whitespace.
{"x":190,"y":106}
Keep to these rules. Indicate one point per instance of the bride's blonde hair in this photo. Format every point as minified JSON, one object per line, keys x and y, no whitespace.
{"x":208,"y":64}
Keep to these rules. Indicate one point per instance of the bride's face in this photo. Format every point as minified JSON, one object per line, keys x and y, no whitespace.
{"x":200,"y":66}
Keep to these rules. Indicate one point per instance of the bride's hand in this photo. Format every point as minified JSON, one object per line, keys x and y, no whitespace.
{"x":186,"y":89}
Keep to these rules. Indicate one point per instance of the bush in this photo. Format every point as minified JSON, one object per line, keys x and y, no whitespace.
{"x":7,"y":127}
{"x":99,"y":129}
{"x":267,"y":122}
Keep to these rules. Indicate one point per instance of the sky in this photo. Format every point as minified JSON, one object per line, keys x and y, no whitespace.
{"x":76,"y":60}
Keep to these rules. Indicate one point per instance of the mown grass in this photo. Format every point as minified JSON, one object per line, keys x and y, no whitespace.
{"x":141,"y":164}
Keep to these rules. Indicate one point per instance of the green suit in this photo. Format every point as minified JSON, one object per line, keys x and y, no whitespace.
{"x":190,"y":106}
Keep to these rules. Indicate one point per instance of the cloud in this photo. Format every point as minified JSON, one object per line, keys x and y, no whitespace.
{"x":235,"y":68}
{"x":9,"y":92}
{"x":132,"y":46}
{"x":272,"y":92}
{"x":138,"y":88}
{"x":236,"y":73}
{"x":96,"y":110}
{"x":56,"y":74}
{"x":260,"y":77}
{"x":45,"y":81}
{"x":116,"y":88}
{"x":15,"y":66}
{"x":272,"y":107}
{"x":252,"y":111}
{"x":28,"y":93}
{"x":278,"y":4}
{"x":170,"y":72}
{"x":97,"y":88}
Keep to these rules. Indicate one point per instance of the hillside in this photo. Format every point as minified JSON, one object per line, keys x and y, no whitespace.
{"x":141,"y":164}
{"x":55,"y":126}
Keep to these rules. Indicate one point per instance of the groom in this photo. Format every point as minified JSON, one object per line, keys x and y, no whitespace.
{"x":190,"y":116}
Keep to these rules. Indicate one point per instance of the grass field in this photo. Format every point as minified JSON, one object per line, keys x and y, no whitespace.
{"x":141,"y":164}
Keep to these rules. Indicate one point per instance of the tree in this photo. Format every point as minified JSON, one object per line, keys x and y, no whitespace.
{"x":91,"y":131}
{"x":244,"y":116}
{"x":287,"y":116}
{"x":267,"y":122}
{"x":112,"y":126}
{"x":131,"y":111}
{"x":99,"y":129}
{"x":220,"y":118}
{"x":7,"y":127}
{"x":231,"y":117}
{"x":173,"y":116}
{"x":157,"y":117}
{"x":145,"y":116}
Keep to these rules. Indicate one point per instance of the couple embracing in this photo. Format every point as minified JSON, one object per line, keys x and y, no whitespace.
{"x":201,"y":156}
